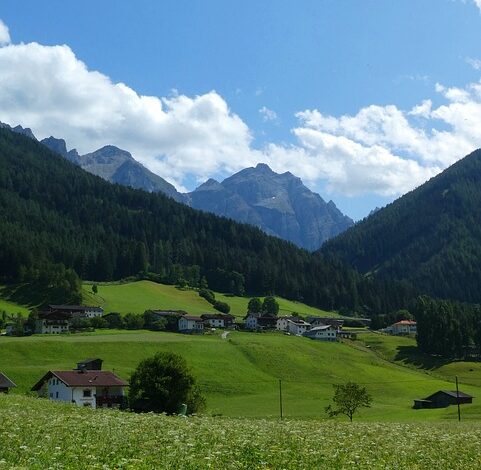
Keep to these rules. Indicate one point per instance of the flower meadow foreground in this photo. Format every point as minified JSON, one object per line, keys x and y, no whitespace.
{"x":36,"y":434}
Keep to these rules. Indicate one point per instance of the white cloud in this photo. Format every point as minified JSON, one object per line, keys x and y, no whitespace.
{"x":478,"y":4}
{"x":48,"y":89}
{"x":4,"y":34}
{"x":475,"y":63}
{"x":380,"y":149}
{"x":267,"y":114}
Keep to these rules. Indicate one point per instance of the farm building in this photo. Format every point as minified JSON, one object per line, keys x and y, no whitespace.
{"x":297,"y":327}
{"x":90,"y":364}
{"x":57,"y":319}
{"x":403,"y":327}
{"x":191,"y":324}
{"x":92,"y":388}
{"x":5,"y":383}
{"x":442,"y":399}
{"x":81,"y":311}
{"x":322,"y":321}
{"x":281,"y":323}
{"x":218,"y":320}
{"x":322,"y":333}
{"x":260,"y":321}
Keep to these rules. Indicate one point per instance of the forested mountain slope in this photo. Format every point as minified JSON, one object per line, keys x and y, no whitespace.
{"x":52,"y":211}
{"x":430,"y":237}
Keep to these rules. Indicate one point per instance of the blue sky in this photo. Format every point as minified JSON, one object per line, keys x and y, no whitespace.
{"x":266,"y":61}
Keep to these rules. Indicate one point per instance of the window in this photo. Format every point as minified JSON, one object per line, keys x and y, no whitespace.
{"x":56,"y":395}
{"x":87,"y":393}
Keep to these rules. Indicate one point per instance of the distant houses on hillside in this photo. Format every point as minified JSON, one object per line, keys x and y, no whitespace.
{"x":62,"y":319}
{"x":58,"y":319}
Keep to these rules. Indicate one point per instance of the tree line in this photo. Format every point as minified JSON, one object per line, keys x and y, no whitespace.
{"x":449,"y":329}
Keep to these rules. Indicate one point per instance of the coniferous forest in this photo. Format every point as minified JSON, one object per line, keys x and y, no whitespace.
{"x":430,"y":238}
{"x":56,"y":217}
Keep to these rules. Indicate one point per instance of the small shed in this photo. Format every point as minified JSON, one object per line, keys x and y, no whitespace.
{"x":442,"y":399}
{"x":90,"y":364}
{"x":5,"y":383}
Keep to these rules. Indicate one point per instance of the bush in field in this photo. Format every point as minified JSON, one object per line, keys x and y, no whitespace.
{"x":162,"y":383}
{"x":208,"y":295}
{"x":222,"y":306}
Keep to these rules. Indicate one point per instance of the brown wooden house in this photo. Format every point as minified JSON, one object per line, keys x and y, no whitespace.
{"x":442,"y":399}
{"x":5,"y":383}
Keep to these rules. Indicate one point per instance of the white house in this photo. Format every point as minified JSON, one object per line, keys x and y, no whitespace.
{"x":93,"y":388}
{"x":250,"y":321}
{"x":323,"y":333}
{"x":191,"y":324}
{"x":281,"y":323}
{"x":81,"y":311}
{"x":218,"y":320}
{"x":297,"y":327}
{"x":52,"y":323}
{"x":403,"y":327}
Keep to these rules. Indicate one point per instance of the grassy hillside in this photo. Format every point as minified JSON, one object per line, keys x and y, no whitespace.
{"x":12,"y":308}
{"x":85,"y":439}
{"x":239,"y":375}
{"x":403,"y":350}
{"x":136,"y":297}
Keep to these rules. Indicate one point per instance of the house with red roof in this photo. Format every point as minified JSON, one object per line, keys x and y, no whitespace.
{"x":83,"y":387}
{"x":403,"y":327}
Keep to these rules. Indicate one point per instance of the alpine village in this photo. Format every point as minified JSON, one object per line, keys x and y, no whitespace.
{"x":175,"y":293}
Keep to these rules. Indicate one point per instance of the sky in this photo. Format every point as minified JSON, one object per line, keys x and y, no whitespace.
{"x":363,"y":99}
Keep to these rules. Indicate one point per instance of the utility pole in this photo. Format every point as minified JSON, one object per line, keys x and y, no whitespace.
{"x":280,"y":397}
{"x":457,"y":399}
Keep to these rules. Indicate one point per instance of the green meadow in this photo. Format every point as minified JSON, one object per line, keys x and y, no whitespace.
{"x":240,"y":375}
{"x":37,"y":434}
{"x":136,"y":297}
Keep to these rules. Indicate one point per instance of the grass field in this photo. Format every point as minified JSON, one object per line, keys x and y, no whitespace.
{"x":12,"y":308}
{"x":403,"y":350}
{"x":136,"y":297}
{"x":239,"y":375}
{"x":38,"y":434}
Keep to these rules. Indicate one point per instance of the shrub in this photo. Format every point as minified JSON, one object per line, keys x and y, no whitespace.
{"x":162,"y":383}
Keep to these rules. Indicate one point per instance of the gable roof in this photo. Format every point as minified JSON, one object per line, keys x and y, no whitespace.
{"x":74,"y":307}
{"x":321,"y":328}
{"x":406,"y":322}
{"x":5,"y":382}
{"x":192,"y":318}
{"x":89,"y":378}
{"x":451,"y":393}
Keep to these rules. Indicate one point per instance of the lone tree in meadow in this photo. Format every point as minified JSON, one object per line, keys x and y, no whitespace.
{"x":348,"y":398}
{"x":163,"y":383}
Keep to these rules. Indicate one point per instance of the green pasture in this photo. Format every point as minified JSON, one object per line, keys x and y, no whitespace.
{"x":240,"y":375}
{"x":136,"y":297}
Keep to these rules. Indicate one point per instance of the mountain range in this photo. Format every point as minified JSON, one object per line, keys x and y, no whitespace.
{"x":58,"y":221}
{"x":279,"y":204}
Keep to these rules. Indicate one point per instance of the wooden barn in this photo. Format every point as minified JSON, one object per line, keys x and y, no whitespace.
{"x":5,"y":383}
{"x":442,"y":399}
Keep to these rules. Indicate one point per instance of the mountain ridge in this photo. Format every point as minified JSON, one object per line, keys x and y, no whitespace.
{"x":278,"y":203}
